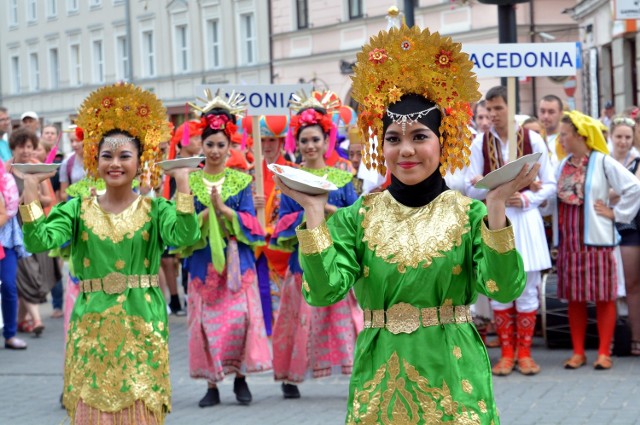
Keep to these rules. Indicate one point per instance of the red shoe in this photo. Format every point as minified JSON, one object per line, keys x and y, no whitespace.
{"x":25,"y":326}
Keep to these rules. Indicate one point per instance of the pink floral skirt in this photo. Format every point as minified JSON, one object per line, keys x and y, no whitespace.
{"x":313,"y":341}
{"x":226,"y":329}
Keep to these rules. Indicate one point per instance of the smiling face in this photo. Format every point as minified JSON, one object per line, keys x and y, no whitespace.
{"x":118,"y":160}
{"x":216,"y":149}
{"x":622,"y":138}
{"x":22,"y":154}
{"x":413,"y":156}
{"x":312,"y":143}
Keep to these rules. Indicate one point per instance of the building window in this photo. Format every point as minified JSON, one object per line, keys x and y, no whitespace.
{"x":73,"y":5}
{"x":54,"y":68}
{"x":355,"y":9}
{"x":32,"y":10}
{"x":15,"y":74}
{"x":302,"y":7}
{"x":95,"y":3}
{"x":122,"y":58}
{"x":98,"y":62}
{"x":182,"y":48}
{"x":213,"y":41}
{"x":34,"y":72}
{"x":13,"y":13}
{"x":75,"y":66}
{"x":148,"y":54}
{"x":52,"y":8}
{"x":248,"y":37}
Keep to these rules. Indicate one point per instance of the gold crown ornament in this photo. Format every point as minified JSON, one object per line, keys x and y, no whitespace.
{"x":413,"y":61}
{"x":234,"y":103}
{"x":327,"y":100}
{"x":123,"y":106}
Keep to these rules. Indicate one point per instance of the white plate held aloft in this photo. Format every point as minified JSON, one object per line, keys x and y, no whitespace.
{"x":508,"y":172}
{"x":301,"y":180}
{"x":35,"y":168}
{"x":170,"y":164}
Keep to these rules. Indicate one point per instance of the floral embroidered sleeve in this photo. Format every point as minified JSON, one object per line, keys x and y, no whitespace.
{"x":499,"y":269}
{"x":45,"y":233}
{"x":290,"y":217}
{"x":178,"y":222}
{"x":330,"y":257}
{"x":245,"y":226}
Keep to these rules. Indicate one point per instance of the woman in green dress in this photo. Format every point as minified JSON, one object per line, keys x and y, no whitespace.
{"x":117,"y":359}
{"x":418,"y":253}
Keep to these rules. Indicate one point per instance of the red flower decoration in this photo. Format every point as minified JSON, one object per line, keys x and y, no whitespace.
{"x":405,"y":45}
{"x":311,"y":117}
{"x":378,"y":56}
{"x":216,"y":122}
{"x":444,"y":59}
{"x":143,"y":111}
{"x":107,"y":102}
{"x":79,"y":134}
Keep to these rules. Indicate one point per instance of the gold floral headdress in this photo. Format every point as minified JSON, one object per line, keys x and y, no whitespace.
{"x":327,"y":100}
{"x":123,"y":106}
{"x":234,"y":103}
{"x":410,"y":60}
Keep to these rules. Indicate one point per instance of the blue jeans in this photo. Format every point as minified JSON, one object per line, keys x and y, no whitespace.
{"x":9,"y":291}
{"x":57,"y":295}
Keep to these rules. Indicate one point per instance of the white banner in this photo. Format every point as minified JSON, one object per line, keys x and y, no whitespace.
{"x":261,"y":99}
{"x":524,"y":59}
{"x":627,"y":9}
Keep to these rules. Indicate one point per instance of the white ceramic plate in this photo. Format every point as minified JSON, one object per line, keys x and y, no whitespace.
{"x":35,"y":168}
{"x":170,"y":164}
{"x":507,"y":172}
{"x":301,"y":180}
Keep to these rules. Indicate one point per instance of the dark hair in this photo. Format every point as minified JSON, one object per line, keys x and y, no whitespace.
{"x":553,"y":98}
{"x":567,"y":120}
{"x":208,"y":131}
{"x":302,"y":127}
{"x":497,"y":91}
{"x":3,"y":109}
{"x":412,"y":103}
{"x":110,"y":133}
{"x":21,"y":136}
{"x":482,"y":104}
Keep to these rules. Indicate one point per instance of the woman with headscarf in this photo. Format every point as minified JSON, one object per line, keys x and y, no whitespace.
{"x":416,"y":254}
{"x":586,"y":234}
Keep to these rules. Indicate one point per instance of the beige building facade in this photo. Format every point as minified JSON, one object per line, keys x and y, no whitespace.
{"x":54,"y":52}
{"x":317,"y":41}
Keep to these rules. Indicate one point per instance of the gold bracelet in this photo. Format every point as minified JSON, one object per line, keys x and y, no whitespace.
{"x":501,"y":240}
{"x":184,"y":203}
{"x":31,"y":212}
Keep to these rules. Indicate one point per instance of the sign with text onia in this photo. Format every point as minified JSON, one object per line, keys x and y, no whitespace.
{"x":524,"y":59}
{"x":266,"y":99}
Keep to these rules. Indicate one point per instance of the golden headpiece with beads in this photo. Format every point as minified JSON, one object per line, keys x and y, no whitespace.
{"x":413,"y":61}
{"x":123,"y":106}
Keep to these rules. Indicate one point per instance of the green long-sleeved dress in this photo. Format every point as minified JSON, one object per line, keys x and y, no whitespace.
{"x":117,"y":350}
{"x":415,"y":271}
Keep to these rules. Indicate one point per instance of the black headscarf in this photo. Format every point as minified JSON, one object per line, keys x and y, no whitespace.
{"x":417,"y":195}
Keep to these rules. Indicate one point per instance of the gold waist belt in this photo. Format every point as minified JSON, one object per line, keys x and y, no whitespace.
{"x":405,"y":318}
{"x":116,"y":283}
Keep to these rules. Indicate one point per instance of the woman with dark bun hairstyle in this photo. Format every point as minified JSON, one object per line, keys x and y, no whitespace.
{"x":226,"y":326}
{"x":418,"y":253}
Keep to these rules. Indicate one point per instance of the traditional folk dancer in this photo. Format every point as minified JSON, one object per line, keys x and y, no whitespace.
{"x":312,"y":342}
{"x":117,"y":359}
{"x":271,"y":264}
{"x":416,"y":254}
{"x":515,"y":322}
{"x":226,"y":327}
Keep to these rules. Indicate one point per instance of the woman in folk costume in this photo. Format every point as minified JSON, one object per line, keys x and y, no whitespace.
{"x":226,"y":328}
{"x":311,"y":342}
{"x":418,"y":253}
{"x":585,"y":231}
{"x":271,"y":264}
{"x":117,"y":358}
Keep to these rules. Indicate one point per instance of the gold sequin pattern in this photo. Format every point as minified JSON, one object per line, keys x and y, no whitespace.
{"x":501,"y":240}
{"x":145,"y":236}
{"x":315,"y":240}
{"x":405,"y":318}
{"x":85,"y":236}
{"x":457,"y":352}
{"x":184,"y":203}
{"x":116,"y":226}
{"x":483,"y":406}
{"x":466,"y":386}
{"x":114,"y":359}
{"x":365,"y":271}
{"x":391,"y":228}
{"x":120,"y":264}
{"x":457,"y":269}
{"x":146,"y":263}
{"x":305,"y":285}
{"x":492,"y":286}
{"x":86,"y":262}
{"x":406,"y":397}
{"x":116,"y":283}
{"x":31,"y":212}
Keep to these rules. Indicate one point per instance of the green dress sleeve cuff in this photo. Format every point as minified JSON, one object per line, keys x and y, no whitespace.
{"x":315,"y":240}
{"x":501,"y":240}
